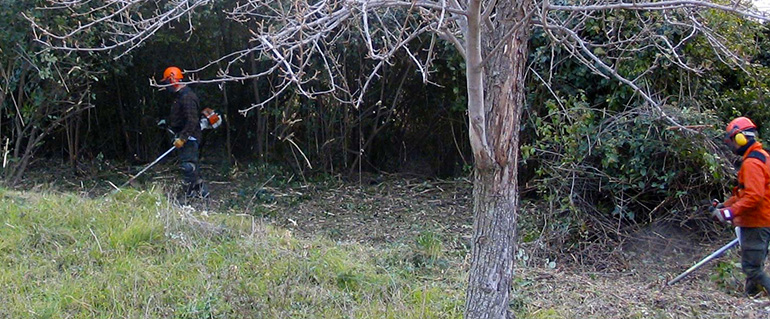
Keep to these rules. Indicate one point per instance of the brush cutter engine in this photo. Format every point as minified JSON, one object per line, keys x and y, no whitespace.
{"x":210,"y":119}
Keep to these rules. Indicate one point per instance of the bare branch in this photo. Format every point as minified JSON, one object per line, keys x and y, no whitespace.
{"x":736,"y":8}
{"x":580,"y":45}
{"x":297,"y":39}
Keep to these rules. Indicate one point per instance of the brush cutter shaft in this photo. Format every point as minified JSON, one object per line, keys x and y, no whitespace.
{"x":148,"y":166}
{"x":714,"y":255}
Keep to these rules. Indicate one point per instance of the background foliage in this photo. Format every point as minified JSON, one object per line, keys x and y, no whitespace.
{"x":605,"y":163}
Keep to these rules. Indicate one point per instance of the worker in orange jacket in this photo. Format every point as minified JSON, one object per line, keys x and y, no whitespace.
{"x":749,"y":206}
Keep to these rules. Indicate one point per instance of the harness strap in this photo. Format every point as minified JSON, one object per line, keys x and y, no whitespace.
{"x":758,"y":155}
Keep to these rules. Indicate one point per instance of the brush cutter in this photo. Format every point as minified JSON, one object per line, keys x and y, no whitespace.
{"x":153,"y":162}
{"x":148,"y":166}
{"x":708,"y":258}
{"x":210,"y":119}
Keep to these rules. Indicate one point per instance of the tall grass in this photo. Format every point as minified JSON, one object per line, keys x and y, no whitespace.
{"x":133,"y":255}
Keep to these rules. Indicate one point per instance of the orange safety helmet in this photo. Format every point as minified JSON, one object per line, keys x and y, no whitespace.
{"x":737,"y":130}
{"x":172,"y":72}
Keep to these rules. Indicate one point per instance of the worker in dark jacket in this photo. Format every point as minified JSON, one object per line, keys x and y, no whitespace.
{"x":184,"y":121}
{"x":749,"y":206}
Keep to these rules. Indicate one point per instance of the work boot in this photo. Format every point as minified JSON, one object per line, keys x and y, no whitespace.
{"x":203,"y":190}
{"x":753,"y":289}
{"x":198,"y":190}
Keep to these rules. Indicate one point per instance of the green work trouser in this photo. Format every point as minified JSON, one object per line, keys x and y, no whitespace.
{"x":754,"y":243}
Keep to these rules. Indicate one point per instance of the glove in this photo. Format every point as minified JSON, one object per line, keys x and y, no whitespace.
{"x":722,"y":215}
{"x":178,"y":143}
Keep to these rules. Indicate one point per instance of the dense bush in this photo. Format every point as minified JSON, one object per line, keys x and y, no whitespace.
{"x":605,"y":162}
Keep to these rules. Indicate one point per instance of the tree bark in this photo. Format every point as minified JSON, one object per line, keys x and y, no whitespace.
{"x":495,"y":190}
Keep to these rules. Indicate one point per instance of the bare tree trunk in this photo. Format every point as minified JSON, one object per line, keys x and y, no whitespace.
{"x":69,"y":134}
{"x":19,"y":118}
{"x":495,"y":141}
{"x":329,"y":118}
{"x":5,"y":76}
{"x":75,"y":151}
{"x":25,"y":159}
{"x":123,"y":125}
{"x":228,"y":144}
{"x":257,"y":99}
{"x":380,"y":112}
{"x":72,"y":132}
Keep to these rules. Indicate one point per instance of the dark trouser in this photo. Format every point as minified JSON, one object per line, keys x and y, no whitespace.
{"x":754,"y":243}
{"x":188,"y":158}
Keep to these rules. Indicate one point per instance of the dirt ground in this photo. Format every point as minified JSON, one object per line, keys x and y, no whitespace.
{"x":384,"y":209}
{"x":398,"y":209}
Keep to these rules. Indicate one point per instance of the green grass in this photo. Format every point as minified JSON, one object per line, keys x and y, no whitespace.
{"x":132,"y":255}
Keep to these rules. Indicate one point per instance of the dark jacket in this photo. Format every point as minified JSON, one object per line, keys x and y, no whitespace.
{"x":750,"y":203}
{"x":184,"y":119}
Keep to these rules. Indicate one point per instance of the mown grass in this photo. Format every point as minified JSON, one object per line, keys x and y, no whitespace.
{"x":133,"y":255}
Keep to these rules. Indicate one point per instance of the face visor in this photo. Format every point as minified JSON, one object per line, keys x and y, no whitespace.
{"x":729,"y":136}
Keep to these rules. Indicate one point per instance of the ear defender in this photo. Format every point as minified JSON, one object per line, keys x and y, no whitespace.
{"x":741,"y":139}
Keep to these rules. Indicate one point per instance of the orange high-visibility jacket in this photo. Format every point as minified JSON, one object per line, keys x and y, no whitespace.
{"x":750,"y":203}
